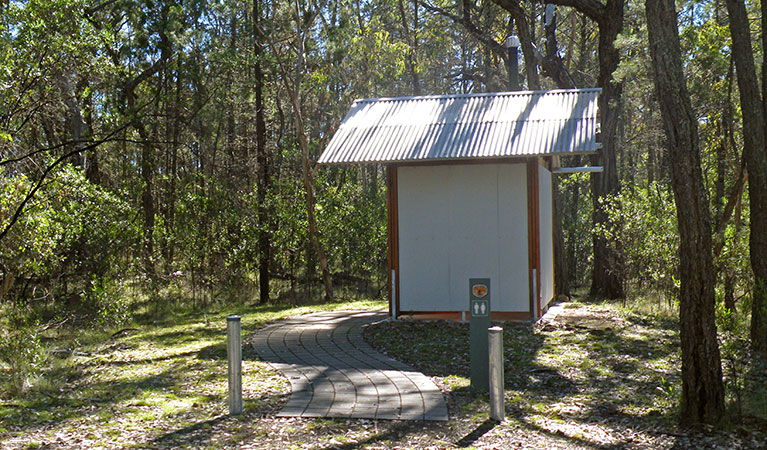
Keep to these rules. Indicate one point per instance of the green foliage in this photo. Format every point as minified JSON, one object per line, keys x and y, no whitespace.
{"x":171,"y":201}
{"x":21,"y":349}
{"x":73,"y":229}
{"x":109,"y":298}
{"x":170,"y":205}
{"x":28,"y":248}
{"x":577,"y":226}
{"x":644,"y":225}
{"x":745,"y":373}
{"x":354,"y":215}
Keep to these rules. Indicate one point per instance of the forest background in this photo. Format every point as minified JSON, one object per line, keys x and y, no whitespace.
{"x":157,"y":153}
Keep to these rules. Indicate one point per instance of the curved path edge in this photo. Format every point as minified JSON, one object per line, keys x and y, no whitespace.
{"x":333,"y":372}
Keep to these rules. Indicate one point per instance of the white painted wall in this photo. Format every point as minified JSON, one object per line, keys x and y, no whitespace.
{"x":546,"y":221}
{"x":458,"y":222}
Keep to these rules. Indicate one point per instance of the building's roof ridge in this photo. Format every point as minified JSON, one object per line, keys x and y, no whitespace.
{"x":476,"y":94}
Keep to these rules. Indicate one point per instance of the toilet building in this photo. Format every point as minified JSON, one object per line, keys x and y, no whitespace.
{"x":469,"y":180}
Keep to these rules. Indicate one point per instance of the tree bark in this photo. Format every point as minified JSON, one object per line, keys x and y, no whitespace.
{"x":755,"y":156}
{"x":264,"y":175}
{"x":303,"y":142}
{"x":552,"y":63}
{"x":75,"y":126}
{"x":702,"y":388}
{"x":411,"y":58}
{"x":314,"y":233}
{"x":525,"y":39}
{"x":607,"y":275}
{"x":561,"y":275}
{"x":554,"y":67}
{"x":572,"y":215}
{"x":237,"y":167}
{"x":147,"y":198}
{"x":147,"y":169}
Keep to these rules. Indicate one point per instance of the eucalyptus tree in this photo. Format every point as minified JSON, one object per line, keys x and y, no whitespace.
{"x":753,"y":104}
{"x":702,"y":388}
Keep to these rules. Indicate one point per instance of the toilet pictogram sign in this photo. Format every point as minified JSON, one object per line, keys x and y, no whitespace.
{"x":479,"y":297}
{"x":479,"y":308}
{"x":479,"y":322}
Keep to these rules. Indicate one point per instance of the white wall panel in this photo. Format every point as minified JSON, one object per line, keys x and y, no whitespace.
{"x":546,"y":219}
{"x":514,"y":259}
{"x":423,"y":211}
{"x":458,"y":222}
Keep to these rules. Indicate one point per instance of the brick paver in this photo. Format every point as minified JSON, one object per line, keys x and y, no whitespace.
{"x":334,"y":373}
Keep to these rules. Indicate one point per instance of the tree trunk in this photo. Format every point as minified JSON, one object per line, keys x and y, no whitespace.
{"x":170,"y":214}
{"x":264,"y":175}
{"x":92,"y":165}
{"x":147,"y":200}
{"x":755,"y":156}
{"x":410,"y":38}
{"x":526,"y":37}
{"x":561,"y":276}
{"x":75,"y":129}
{"x":314,"y":233}
{"x":555,"y":68}
{"x":147,"y":178}
{"x":607,"y":276}
{"x":308,"y":175}
{"x":702,"y":388}
{"x":552,"y":63}
{"x":572,"y":214}
{"x":237,"y":167}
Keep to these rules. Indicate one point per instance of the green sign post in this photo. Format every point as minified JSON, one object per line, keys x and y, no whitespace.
{"x":479,"y":322}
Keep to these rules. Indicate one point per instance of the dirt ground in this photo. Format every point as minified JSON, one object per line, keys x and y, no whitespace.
{"x":593,"y":377}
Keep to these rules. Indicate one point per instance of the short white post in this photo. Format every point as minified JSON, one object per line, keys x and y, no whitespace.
{"x":495,"y":351}
{"x":234,"y":355}
{"x":535,"y":296}
{"x":394,"y":294}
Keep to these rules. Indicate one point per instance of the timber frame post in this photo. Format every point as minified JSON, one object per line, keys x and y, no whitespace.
{"x":534,"y":237}
{"x":392,"y":227}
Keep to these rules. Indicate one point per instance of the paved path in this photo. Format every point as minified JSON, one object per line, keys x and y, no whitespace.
{"x":334,"y":373}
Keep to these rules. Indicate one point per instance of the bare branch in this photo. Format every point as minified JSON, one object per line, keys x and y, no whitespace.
{"x":31,"y":193}
{"x":496,"y":47}
{"x":593,"y":9}
{"x":733,"y":199}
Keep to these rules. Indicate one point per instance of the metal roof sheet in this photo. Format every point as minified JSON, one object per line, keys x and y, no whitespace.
{"x":445,"y":127}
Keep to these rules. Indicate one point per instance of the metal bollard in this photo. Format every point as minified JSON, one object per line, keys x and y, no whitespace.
{"x":495,"y":350}
{"x":234,"y":355}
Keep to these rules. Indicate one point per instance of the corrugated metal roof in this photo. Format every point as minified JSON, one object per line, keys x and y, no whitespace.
{"x":503,"y":124}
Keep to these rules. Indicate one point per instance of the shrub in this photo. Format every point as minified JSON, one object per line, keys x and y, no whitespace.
{"x":643,"y":222}
{"x":21,"y":350}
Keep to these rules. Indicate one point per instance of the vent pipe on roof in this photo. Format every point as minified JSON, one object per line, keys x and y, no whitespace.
{"x":512,"y":43}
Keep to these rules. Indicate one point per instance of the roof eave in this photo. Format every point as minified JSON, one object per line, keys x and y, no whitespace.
{"x":474,"y":159}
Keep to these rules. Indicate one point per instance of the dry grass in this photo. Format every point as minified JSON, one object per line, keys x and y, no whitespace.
{"x":599,"y":376}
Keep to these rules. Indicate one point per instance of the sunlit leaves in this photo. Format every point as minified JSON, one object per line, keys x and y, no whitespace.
{"x":70,"y":223}
{"x":644,"y":225}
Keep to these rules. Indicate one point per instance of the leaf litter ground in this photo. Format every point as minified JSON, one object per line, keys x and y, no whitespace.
{"x":595,"y":377}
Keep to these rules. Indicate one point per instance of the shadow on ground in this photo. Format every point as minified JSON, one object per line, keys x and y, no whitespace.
{"x":604,"y":380}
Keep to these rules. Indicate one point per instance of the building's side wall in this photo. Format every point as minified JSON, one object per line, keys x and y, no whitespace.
{"x":546,"y":223}
{"x":458,"y":222}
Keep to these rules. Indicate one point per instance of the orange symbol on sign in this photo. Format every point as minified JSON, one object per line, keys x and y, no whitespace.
{"x":479,"y":290}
